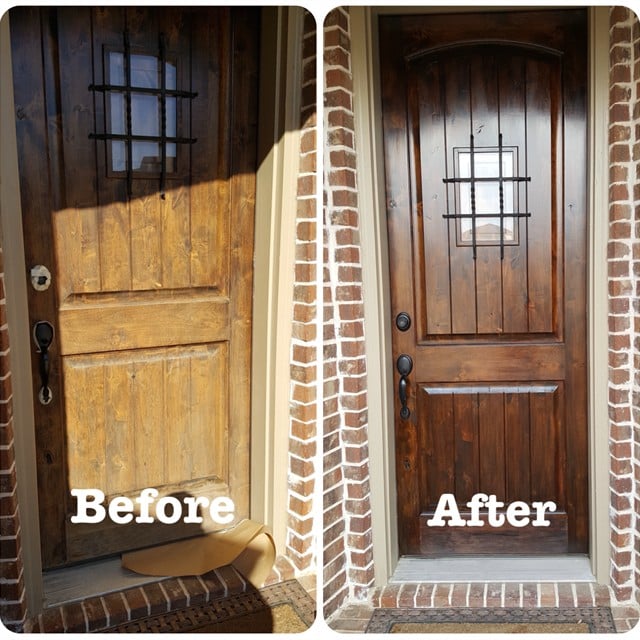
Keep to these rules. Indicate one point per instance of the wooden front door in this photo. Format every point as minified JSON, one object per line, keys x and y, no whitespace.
{"x":485,"y":153}
{"x":137,"y":151}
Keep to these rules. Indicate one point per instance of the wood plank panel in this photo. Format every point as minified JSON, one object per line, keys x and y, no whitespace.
{"x":122,"y":438}
{"x":437,"y":445}
{"x":119,"y":432}
{"x":179,"y":436}
{"x":491,"y":438}
{"x":506,"y":362}
{"x":486,"y":540}
{"x":78,"y":236}
{"x":485,"y":118}
{"x":517,"y":443}
{"x":85,"y":425}
{"x":512,"y":82}
{"x":105,"y":327}
{"x":547,"y":446}
{"x":209,"y":411}
{"x":147,"y":411}
{"x":210,"y":189}
{"x":458,"y":129}
{"x":34,"y":85}
{"x":114,"y":217}
{"x":542,"y":195}
{"x":433,"y":295}
{"x":467,"y":452}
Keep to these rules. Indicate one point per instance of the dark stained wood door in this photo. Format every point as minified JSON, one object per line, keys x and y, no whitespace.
{"x":485,"y":154}
{"x":137,"y":152}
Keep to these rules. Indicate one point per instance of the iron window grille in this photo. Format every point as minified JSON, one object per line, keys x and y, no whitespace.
{"x":473,"y":180}
{"x":129,"y":90}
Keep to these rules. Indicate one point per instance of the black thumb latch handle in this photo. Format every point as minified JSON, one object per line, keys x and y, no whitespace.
{"x":404,"y":364}
{"x":43,"y":337}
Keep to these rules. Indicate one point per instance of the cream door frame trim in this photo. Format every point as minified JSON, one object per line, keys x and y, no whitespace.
{"x":273,"y":286}
{"x":376,"y":283}
{"x":276,"y":209}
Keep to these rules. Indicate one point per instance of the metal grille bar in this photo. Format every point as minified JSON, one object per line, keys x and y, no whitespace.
{"x":162,"y":93}
{"x":472,"y":181}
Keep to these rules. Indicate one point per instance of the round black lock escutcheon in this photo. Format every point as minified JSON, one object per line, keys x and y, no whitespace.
{"x":403,"y":321}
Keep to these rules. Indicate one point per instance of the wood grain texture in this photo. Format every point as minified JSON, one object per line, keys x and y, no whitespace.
{"x":152,"y":295}
{"x":486,"y":540}
{"x":518,"y":322}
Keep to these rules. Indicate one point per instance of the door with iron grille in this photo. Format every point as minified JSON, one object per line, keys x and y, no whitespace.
{"x":485,"y":152}
{"x":137,"y":150}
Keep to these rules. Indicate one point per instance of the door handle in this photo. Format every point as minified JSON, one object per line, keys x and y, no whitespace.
{"x":43,"y":336}
{"x":404,"y":364}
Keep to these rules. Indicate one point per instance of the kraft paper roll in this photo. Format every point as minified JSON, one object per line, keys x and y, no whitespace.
{"x":248,"y":547}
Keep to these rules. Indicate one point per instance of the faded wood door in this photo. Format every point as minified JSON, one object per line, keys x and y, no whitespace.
{"x":137,"y":151}
{"x":485,"y":153}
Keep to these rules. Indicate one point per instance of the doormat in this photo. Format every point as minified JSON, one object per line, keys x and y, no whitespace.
{"x":545,"y":620}
{"x":280,"y":608}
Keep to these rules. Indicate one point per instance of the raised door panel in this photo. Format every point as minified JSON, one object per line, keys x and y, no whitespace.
{"x":504,"y":290}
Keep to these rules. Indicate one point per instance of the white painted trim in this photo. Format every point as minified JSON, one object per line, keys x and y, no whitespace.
{"x":274,"y":265}
{"x":376,"y":284}
{"x":600,"y":526}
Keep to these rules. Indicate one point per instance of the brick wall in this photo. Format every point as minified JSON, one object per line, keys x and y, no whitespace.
{"x":624,"y":303}
{"x":348,"y":556}
{"x":12,"y":594}
{"x":303,"y":369}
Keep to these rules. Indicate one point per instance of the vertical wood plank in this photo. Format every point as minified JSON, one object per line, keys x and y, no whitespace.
{"x":146,"y":202}
{"x":492,"y":454}
{"x":435,"y":295}
{"x":77,"y":114}
{"x":148,"y":419}
{"x":517,"y":443}
{"x":209,"y":410}
{"x":175,"y":24}
{"x":542,"y":196}
{"x":485,"y":115}
{"x":119,"y":428}
{"x":179,"y":441}
{"x":35,"y":87}
{"x":544,"y":446}
{"x":209,"y":184}
{"x":512,"y":81}
{"x":458,"y":128}
{"x":86,"y":443}
{"x":465,"y":428}
{"x":244,"y":26}
{"x":436,"y":439}
{"x":113,"y":214}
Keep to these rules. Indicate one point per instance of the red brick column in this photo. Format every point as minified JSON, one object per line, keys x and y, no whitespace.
{"x":303,"y":368}
{"x":12,"y":593}
{"x":347,"y":512}
{"x":624,"y":305}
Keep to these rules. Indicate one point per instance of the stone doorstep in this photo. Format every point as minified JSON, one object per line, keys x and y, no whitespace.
{"x":104,"y":611}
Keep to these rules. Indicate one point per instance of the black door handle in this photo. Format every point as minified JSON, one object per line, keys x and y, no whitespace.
{"x":43,"y":337}
{"x":404,"y":364}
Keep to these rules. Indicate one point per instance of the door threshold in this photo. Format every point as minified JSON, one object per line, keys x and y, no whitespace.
{"x":557,"y":568}
{"x":79,"y":582}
